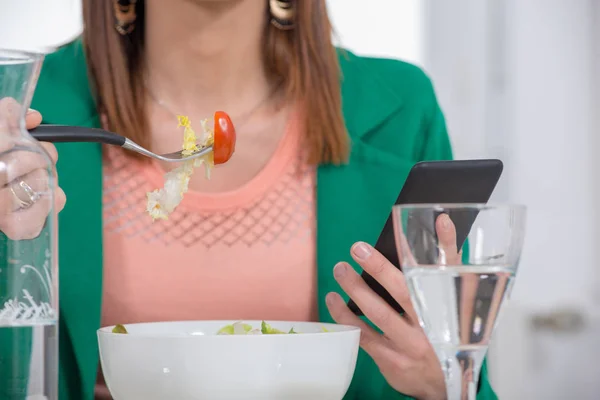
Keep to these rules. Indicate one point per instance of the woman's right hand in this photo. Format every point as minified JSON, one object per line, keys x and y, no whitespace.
{"x":24,"y":199}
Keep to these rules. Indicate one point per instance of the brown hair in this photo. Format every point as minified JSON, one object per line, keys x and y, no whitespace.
{"x":304,"y":58}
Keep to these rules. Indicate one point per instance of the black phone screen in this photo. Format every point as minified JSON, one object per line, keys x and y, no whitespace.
{"x":437,"y":182}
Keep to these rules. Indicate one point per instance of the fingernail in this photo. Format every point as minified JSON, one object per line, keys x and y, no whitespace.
{"x":329,"y":299}
{"x":29,"y":111}
{"x":361,"y":250}
{"x":446,"y":221}
{"x":339,"y":271}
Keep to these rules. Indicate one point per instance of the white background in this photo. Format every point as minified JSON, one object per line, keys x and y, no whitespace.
{"x":385,"y":28}
{"x":517,"y":80}
{"x":38,"y":25}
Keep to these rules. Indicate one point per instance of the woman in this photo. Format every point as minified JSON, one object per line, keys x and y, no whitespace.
{"x":320,"y":158}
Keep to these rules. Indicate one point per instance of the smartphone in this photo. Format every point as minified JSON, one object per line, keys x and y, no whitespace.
{"x":437,"y":182}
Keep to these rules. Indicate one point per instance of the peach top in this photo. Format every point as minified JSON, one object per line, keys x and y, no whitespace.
{"x":244,"y":254}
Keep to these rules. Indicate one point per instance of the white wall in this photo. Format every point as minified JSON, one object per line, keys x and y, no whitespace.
{"x":455,"y":57}
{"x":39,"y":25}
{"x":385,"y":28}
{"x":515,"y":79}
{"x":540,"y":94}
{"x":522,"y":92}
{"x":552,"y":152}
{"x":554,"y":146}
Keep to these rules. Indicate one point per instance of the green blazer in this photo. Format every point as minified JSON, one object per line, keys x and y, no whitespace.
{"x":393,"y":120}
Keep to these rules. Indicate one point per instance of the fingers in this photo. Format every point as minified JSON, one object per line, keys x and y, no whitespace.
{"x":10,"y":115}
{"x":19,"y":224}
{"x":16,"y":164}
{"x":446,"y":232}
{"x":32,"y":119}
{"x":30,"y":167}
{"x":369,"y":339}
{"x":11,"y":193}
{"x":371,"y":304}
{"x":27,"y":223}
{"x":10,"y":111}
{"x":60,"y":199}
{"x":51,"y":150}
{"x":390,"y":277}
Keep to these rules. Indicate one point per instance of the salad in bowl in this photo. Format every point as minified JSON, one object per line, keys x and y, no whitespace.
{"x":216,"y":360}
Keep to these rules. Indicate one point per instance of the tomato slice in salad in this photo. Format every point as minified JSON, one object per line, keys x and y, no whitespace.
{"x":224,"y":138}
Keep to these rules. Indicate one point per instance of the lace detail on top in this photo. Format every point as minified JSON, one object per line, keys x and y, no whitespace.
{"x":280,"y":210}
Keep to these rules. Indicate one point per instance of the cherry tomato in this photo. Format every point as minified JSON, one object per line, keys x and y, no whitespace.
{"x":225,"y":137}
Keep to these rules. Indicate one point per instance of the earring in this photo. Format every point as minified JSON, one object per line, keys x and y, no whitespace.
{"x":125,"y":16}
{"x":283,"y":13}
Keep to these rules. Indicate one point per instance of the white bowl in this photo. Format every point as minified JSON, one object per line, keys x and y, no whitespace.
{"x":188,"y":360}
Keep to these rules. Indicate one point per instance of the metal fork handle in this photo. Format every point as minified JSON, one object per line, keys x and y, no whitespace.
{"x":79,"y":134}
{"x":170,"y":157}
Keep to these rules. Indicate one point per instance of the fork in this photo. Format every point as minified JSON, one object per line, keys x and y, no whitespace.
{"x":79,"y":134}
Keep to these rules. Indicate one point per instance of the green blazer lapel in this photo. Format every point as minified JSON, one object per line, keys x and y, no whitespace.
{"x":351,"y":204}
{"x":80,"y":250}
{"x":64,"y":97}
{"x":364,"y":108}
{"x":80,"y":246}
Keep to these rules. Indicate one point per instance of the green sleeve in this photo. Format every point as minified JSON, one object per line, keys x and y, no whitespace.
{"x":485,"y":389}
{"x":62,"y":95}
{"x":435,"y":145}
{"x":15,"y":343}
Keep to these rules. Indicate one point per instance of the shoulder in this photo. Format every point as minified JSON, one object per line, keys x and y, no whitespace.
{"x":390,"y":104}
{"x":387,"y":78}
{"x":63,"y":96}
{"x":63,"y":93}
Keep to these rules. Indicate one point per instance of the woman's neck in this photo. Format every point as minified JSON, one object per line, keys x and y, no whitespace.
{"x":206,"y":55}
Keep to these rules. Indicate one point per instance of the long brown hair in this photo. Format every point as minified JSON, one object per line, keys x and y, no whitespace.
{"x":304,"y":58}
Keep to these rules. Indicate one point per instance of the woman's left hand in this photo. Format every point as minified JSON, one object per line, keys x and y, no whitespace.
{"x":403,"y":352}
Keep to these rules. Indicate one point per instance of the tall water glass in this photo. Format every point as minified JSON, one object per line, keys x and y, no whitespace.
{"x":458,"y":279}
{"x":28,"y":243}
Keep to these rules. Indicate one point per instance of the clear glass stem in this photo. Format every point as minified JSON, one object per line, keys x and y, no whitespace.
{"x":461,"y":371}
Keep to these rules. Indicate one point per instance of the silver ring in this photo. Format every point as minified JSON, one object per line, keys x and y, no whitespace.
{"x":31,"y":195}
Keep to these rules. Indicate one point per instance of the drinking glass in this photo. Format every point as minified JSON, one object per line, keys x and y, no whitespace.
{"x":28,"y":243}
{"x":458,"y":278}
